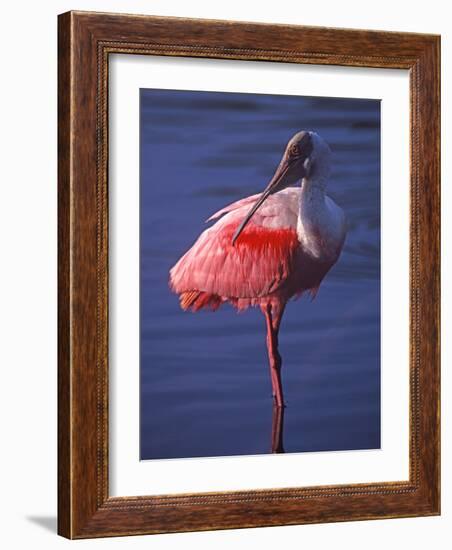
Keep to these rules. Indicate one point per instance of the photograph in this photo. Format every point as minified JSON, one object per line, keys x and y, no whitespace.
{"x":259,"y":274}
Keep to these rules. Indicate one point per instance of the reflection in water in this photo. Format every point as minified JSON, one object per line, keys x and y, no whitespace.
{"x":277,"y":429}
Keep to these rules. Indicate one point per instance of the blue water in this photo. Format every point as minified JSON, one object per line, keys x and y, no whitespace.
{"x":205,"y":385}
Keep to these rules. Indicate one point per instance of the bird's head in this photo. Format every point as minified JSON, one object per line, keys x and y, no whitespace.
{"x":306,"y":154}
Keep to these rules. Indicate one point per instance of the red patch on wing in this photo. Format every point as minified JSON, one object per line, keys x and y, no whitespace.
{"x":280,"y":241}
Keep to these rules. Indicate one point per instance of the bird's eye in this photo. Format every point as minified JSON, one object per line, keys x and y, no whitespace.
{"x":294,"y":150}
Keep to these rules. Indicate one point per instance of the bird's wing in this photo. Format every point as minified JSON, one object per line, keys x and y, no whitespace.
{"x":247,"y":201}
{"x":284,"y":204}
{"x":258,"y":263}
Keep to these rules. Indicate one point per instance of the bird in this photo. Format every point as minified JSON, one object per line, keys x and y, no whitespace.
{"x":268,"y":248}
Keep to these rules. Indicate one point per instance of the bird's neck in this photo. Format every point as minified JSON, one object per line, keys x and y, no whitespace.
{"x":319,"y":170}
{"x":312,"y":202}
{"x":313,"y":188}
{"x":312,"y":218}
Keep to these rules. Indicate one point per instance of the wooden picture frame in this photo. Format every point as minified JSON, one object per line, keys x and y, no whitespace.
{"x":85,"y":42}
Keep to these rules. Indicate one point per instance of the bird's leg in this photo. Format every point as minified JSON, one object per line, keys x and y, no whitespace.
{"x":273,"y":319}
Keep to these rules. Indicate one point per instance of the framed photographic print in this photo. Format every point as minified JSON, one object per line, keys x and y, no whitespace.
{"x":248,"y":275}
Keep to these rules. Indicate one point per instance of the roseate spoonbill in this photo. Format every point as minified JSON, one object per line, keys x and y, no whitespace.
{"x":270,"y":247}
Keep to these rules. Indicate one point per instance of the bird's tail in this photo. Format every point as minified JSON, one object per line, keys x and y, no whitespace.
{"x":195,"y":300}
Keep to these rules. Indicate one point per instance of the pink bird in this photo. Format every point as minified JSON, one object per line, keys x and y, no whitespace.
{"x":270,"y":247}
